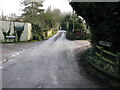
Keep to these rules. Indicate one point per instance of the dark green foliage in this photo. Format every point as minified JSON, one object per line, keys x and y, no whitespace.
{"x":19,"y":31}
{"x":75,"y":26}
{"x":104,"y":20}
{"x":37,"y":32}
{"x":41,"y":21}
{"x":31,"y":11}
{"x":90,"y":67}
{"x":6,"y":33}
{"x":18,"y":35}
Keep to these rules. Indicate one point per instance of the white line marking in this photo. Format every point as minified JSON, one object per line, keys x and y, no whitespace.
{"x":10,"y":57}
{"x":18,"y":78}
{"x":4,"y":60}
{"x":17,"y":53}
{"x":40,"y":87}
{"x":1,"y":67}
{"x":13,"y":55}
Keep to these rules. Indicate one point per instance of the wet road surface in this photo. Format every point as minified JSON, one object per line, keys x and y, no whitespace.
{"x":50,"y":64}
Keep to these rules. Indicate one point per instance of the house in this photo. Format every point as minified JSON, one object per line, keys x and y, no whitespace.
{"x":15,"y":29}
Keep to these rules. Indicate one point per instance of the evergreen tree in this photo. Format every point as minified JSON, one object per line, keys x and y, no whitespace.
{"x":32,"y":11}
{"x":103,"y":19}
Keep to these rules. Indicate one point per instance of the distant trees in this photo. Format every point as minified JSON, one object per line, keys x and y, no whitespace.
{"x":42,"y":20}
{"x":68,"y":21}
{"x":46,"y":19}
{"x":103,"y":19}
{"x":50,"y":19}
{"x":75,"y":26}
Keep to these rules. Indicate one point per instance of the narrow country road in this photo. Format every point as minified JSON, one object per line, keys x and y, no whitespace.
{"x":50,"y":64}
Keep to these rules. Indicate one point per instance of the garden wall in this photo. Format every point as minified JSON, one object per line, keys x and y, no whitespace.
{"x":26,"y":34}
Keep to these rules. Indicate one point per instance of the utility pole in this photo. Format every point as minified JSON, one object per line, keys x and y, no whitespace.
{"x":73,"y":26}
{"x":2,"y":14}
{"x":73,"y":22}
{"x":32,"y":12}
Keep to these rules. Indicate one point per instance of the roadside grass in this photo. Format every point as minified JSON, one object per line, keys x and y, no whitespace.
{"x":94,"y":72}
{"x":50,"y":35}
{"x":21,"y":41}
{"x":31,"y":40}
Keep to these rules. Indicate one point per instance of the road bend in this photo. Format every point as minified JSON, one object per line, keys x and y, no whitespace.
{"x":51,"y":64}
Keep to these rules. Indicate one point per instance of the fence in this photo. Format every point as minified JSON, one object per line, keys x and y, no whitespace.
{"x":105,"y":61}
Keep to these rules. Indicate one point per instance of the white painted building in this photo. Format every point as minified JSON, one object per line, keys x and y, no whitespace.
{"x":26,"y":34}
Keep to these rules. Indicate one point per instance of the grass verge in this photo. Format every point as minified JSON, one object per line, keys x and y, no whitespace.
{"x":21,"y":41}
{"x":50,"y":35}
{"x":31,"y":40}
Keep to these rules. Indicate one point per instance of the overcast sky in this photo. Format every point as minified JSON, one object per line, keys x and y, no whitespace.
{"x":13,"y":6}
{"x":63,"y":5}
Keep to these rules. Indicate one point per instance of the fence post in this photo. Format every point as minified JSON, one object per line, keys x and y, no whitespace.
{"x":117,"y":64}
{"x":101,"y":53}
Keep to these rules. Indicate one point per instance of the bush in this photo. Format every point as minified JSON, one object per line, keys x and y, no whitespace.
{"x":37,"y":32}
{"x":36,"y":37}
